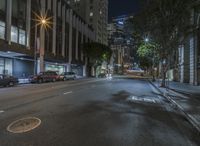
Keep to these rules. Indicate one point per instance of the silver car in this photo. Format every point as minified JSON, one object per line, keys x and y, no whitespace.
{"x":68,"y":76}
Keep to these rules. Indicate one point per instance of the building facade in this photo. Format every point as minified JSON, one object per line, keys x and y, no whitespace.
{"x":25,"y":48}
{"x":189,"y":53}
{"x":121,"y":41}
{"x":95,"y":12}
{"x":184,"y":63}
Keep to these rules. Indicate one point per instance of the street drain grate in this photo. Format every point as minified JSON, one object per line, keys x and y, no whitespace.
{"x":24,"y":125}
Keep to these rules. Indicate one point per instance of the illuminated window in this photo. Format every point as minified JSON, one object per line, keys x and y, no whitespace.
{"x":2,"y":30}
{"x":22,"y":37}
{"x":91,"y":14}
{"x":14,"y":34}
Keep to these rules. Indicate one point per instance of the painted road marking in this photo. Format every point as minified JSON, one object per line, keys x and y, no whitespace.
{"x":1,"y":111}
{"x":140,"y":99}
{"x":67,"y":93}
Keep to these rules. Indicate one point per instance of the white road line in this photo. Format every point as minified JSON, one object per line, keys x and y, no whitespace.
{"x":1,"y":111}
{"x":67,"y":92}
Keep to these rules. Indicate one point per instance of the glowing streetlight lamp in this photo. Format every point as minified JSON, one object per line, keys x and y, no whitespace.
{"x":146,"y":40}
{"x":43,"y":21}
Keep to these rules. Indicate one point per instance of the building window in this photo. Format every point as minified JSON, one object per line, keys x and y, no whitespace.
{"x":2,"y":30}
{"x":18,"y":35}
{"x":91,"y":20}
{"x":2,"y":5}
{"x":91,"y":14}
{"x":19,"y":9}
{"x":8,"y":67}
{"x":14,"y":34}
{"x":22,"y":37}
{"x":1,"y":65}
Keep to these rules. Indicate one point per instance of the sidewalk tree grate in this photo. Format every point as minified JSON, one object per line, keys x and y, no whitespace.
{"x":24,"y":125}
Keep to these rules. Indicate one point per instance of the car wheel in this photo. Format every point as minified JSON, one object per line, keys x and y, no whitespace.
{"x":53,"y":80}
{"x":11,"y":84}
{"x":64,"y":79}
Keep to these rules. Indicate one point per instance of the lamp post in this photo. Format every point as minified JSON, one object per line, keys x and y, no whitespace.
{"x":35,"y":52}
{"x":42,"y":43}
{"x":44,"y":23}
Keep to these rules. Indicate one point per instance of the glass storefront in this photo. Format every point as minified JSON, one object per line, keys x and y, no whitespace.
{"x":52,"y":67}
{"x":6,"y":66}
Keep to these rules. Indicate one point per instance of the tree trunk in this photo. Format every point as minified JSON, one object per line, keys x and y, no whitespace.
{"x":153,"y":75}
{"x":163,"y":83}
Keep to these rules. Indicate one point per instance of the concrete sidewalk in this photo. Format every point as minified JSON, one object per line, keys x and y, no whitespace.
{"x":184,"y":88}
{"x":185,"y":97}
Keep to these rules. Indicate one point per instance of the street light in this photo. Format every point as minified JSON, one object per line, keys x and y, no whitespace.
{"x":146,"y":40}
{"x":44,"y":22}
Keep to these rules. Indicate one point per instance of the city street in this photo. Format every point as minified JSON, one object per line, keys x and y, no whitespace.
{"x":122,"y":111}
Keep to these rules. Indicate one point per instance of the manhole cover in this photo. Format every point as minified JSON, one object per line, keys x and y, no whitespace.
{"x":24,"y":125}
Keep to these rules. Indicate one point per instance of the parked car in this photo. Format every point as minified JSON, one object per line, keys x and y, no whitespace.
{"x":48,"y":76}
{"x":67,"y":76}
{"x":136,"y":71}
{"x":6,"y":80}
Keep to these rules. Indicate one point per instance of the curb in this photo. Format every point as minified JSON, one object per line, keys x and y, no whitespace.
{"x":190,"y":118}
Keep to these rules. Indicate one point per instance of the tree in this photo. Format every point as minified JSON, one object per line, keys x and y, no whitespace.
{"x":148,"y":55}
{"x":97,"y":53}
{"x":166,"y":22}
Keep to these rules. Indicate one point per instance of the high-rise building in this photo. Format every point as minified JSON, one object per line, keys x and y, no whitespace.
{"x":121,"y":41}
{"x":95,"y":13}
{"x":26,"y":47}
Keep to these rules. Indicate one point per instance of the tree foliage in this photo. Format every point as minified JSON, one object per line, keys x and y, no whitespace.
{"x":97,"y":52}
{"x":147,"y":50}
{"x":166,"y":22}
{"x":148,"y":54}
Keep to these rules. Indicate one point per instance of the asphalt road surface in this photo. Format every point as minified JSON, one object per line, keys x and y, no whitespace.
{"x":94,"y":112}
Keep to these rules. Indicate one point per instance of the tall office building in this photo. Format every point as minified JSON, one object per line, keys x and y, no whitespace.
{"x":26,"y":47}
{"x":95,"y":13}
{"x":121,"y":42}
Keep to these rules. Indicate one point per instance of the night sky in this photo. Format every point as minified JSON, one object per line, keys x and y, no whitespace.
{"x":121,"y":7}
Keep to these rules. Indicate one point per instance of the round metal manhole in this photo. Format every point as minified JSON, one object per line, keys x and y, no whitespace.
{"x":24,"y":125}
